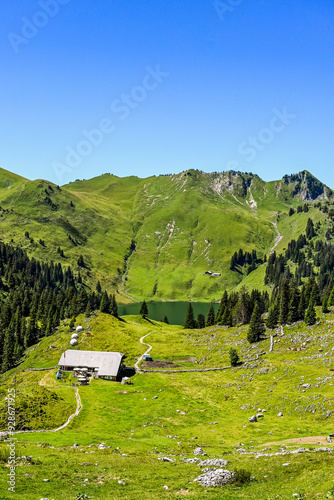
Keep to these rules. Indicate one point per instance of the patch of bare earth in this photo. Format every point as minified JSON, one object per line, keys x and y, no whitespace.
{"x":150,"y":365}
{"x":304,"y":440}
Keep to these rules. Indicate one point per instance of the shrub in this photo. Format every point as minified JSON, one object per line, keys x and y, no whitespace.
{"x":242,"y":476}
{"x":234,"y":358}
{"x":4,"y":455}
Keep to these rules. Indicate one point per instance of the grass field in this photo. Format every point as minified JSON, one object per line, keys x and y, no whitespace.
{"x":169,"y":414}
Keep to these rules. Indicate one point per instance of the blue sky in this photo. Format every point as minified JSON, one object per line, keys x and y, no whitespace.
{"x":148,"y":87}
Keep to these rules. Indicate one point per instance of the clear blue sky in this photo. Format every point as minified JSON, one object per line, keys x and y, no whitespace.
{"x":242,"y":84}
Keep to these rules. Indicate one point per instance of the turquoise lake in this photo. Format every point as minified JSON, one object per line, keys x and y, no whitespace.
{"x":175,"y":311}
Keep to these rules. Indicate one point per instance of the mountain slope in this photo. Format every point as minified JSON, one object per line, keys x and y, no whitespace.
{"x":155,"y":237}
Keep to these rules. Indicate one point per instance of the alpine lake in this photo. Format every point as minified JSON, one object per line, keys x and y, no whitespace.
{"x":175,"y":311}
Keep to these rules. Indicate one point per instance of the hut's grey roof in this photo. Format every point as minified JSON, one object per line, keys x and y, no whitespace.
{"x":108,"y":363}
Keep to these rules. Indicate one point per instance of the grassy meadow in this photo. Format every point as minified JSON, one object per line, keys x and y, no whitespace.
{"x":170,"y":414}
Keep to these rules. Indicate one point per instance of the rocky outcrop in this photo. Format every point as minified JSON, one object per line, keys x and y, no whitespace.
{"x":218,"y":477}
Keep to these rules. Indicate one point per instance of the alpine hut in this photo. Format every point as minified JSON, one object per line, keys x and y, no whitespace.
{"x":106,"y":365}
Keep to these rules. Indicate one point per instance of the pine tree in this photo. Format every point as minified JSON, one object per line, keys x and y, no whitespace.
{"x":98,"y":287}
{"x":222,"y":306}
{"x":227,"y":317}
{"x":143,"y":310}
{"x":243,"y":308}
{"x":105,"y":303}
{"x":272,"y":319}
{"x":190,"y":320}
{"x":294,"y":302}
{"x":325,"y":309}
{"x":234,"y":357}
{"x":284,"y":303}
{"x":165,"y":320}
{"x":310,"y":315}
{"x":310,"y":232}
{"x":302,"y":303}
{"x":113,"y":306}
{"x":210,"y":320}
{"x":256,"y":327}
{"x":331,"y":298}
{"x":200,"y":321}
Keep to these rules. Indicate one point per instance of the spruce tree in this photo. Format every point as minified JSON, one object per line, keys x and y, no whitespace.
{"x":243,"y":308}
{"x":302,"y":303}
{"x":272,"y":319}
{"x":210,"y":320}
{"x":113,"y":306}
{"x":325,"y":309}
{"x":190,"y":320}
{"x":143,"y":310}
{"x":165,"y":320}
{"x":234,"y":357}
{"x":256,"y":327}
{"x":293,"y":314}
{"x":310,"y":232}
{"x":331,"y":298}
{"x":200,"y":321}
{"x":284,"y":303}
{"x":105,"y":303}
{"x":227,"y":317}
{"x":310,"y":315}
{"x":222,"y":306}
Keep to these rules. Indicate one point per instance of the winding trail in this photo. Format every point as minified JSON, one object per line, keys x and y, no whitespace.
{"x":146,"y":352}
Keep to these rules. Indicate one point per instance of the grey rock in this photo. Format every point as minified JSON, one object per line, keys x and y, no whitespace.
{"x":199,"y":451}
{"x":218,"y":477}
{"x":166,"y":459}
{"x":253,"y":418}
{"x":214,"y":462}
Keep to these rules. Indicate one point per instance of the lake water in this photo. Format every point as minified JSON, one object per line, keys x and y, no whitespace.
{"x":175,"y":311}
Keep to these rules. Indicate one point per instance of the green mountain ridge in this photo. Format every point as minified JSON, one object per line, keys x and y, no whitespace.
{"x":155,"y":238}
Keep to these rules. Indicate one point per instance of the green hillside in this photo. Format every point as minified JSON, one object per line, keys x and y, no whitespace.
{"x":155,"y":238}
{"x":170,"y":414}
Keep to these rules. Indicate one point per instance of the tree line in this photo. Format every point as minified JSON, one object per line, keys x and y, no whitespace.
{"x":35,"y":296}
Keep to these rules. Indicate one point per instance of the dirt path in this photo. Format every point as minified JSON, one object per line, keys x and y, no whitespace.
{"x":146,"y":352}
{"x":304,"y":440}
{"x":43,"y":381}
